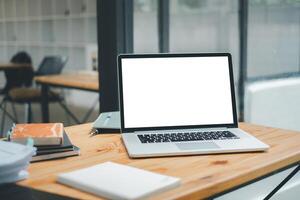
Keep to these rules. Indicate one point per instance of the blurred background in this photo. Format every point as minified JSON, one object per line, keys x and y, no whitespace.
{"x":263,"y":37}
{"x":52,"y":28}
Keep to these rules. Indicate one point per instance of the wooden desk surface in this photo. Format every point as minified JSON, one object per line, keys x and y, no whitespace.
{"x":78,"y":80}
{"x":202,"y":175}
{"x":7,"y":66}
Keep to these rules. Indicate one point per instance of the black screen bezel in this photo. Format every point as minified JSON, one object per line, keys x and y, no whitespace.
{"x":133,"y":56}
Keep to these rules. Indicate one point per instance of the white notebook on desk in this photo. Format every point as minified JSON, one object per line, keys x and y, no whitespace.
{"x":116,"y":181}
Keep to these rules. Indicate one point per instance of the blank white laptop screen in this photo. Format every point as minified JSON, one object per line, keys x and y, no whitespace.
{"x":176,"y":91}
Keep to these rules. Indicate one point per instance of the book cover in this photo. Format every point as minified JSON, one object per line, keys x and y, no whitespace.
{"x":65,"y":146}
{"x":41,"y":133}
{"x":117,"y":181}
{"x":50,"y":156}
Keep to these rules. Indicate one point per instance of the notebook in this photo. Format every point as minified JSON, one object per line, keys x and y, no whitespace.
{"x":117,"y":181}
{"x":65,"y":146}
{"x":50,"y":156}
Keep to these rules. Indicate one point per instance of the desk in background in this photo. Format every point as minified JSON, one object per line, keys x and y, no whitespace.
{"x":10,"y":66}
{"x":87,"y":81}
{"x":202,"y":176}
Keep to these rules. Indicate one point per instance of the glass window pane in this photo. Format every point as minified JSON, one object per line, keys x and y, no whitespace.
{"x":145,"y":26}
{"x":205,"y":26}
{"x":273,"y":37}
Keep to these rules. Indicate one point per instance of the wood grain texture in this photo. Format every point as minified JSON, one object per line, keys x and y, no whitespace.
{"x":79,"y":80}
{"x":202,"y":175}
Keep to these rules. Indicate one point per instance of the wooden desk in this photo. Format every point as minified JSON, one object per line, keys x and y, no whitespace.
{"x":202,"y":176}
{"x":87,"y":81}
{"x":9,"y":66}
{"x":80,"y":80}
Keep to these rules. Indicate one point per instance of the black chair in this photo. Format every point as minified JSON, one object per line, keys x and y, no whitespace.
{"x":16,"y":77}
{"x":50,"y":65}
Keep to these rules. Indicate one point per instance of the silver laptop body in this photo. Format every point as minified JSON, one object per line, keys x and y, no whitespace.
{"x":180,"y":104}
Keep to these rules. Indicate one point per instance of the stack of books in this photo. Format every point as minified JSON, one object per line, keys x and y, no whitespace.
{"x":14,"y":160}
{"x":50,"y":140}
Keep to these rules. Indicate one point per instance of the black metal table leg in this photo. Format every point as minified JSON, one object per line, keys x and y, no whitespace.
{"x":88,"y":114}
{"x":45,"y":103}
{"x":283,"y":182}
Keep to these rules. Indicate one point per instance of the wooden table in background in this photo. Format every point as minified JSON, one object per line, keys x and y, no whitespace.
{"x":9,"y":66}
{"x":87,"y":81}
{"x":202,"y":176}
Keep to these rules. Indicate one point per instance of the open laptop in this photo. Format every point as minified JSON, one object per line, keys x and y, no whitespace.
{"x":180,"y":104}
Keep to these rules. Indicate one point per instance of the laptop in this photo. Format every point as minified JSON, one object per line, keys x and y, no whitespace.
{"x":180,"y":104}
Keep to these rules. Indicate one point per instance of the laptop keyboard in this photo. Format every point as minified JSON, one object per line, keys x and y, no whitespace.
{"x":184,"y":137}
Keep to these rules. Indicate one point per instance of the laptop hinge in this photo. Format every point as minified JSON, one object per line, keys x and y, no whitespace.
{"x":182,"y":130}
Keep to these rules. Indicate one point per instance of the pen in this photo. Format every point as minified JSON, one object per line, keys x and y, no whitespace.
{"x":93,"y":132}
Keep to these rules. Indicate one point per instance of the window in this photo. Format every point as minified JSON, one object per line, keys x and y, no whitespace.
{"x":266,"y":42}
{"x":273,"y":37}
{"x":205,"y":26}
{"x":145,"y":26}
{"x":49,"y":27}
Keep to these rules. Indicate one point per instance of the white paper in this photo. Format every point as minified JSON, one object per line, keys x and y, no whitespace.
{"x":14,"y":160}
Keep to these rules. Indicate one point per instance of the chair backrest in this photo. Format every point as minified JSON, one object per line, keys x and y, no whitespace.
{"x":21,"y":57}
{"x":19,"y":77}
{"x":274,"y":103}
{"x":52,"y":65}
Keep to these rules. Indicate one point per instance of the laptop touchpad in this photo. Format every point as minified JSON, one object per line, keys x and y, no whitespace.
{"x":197,"y":145}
